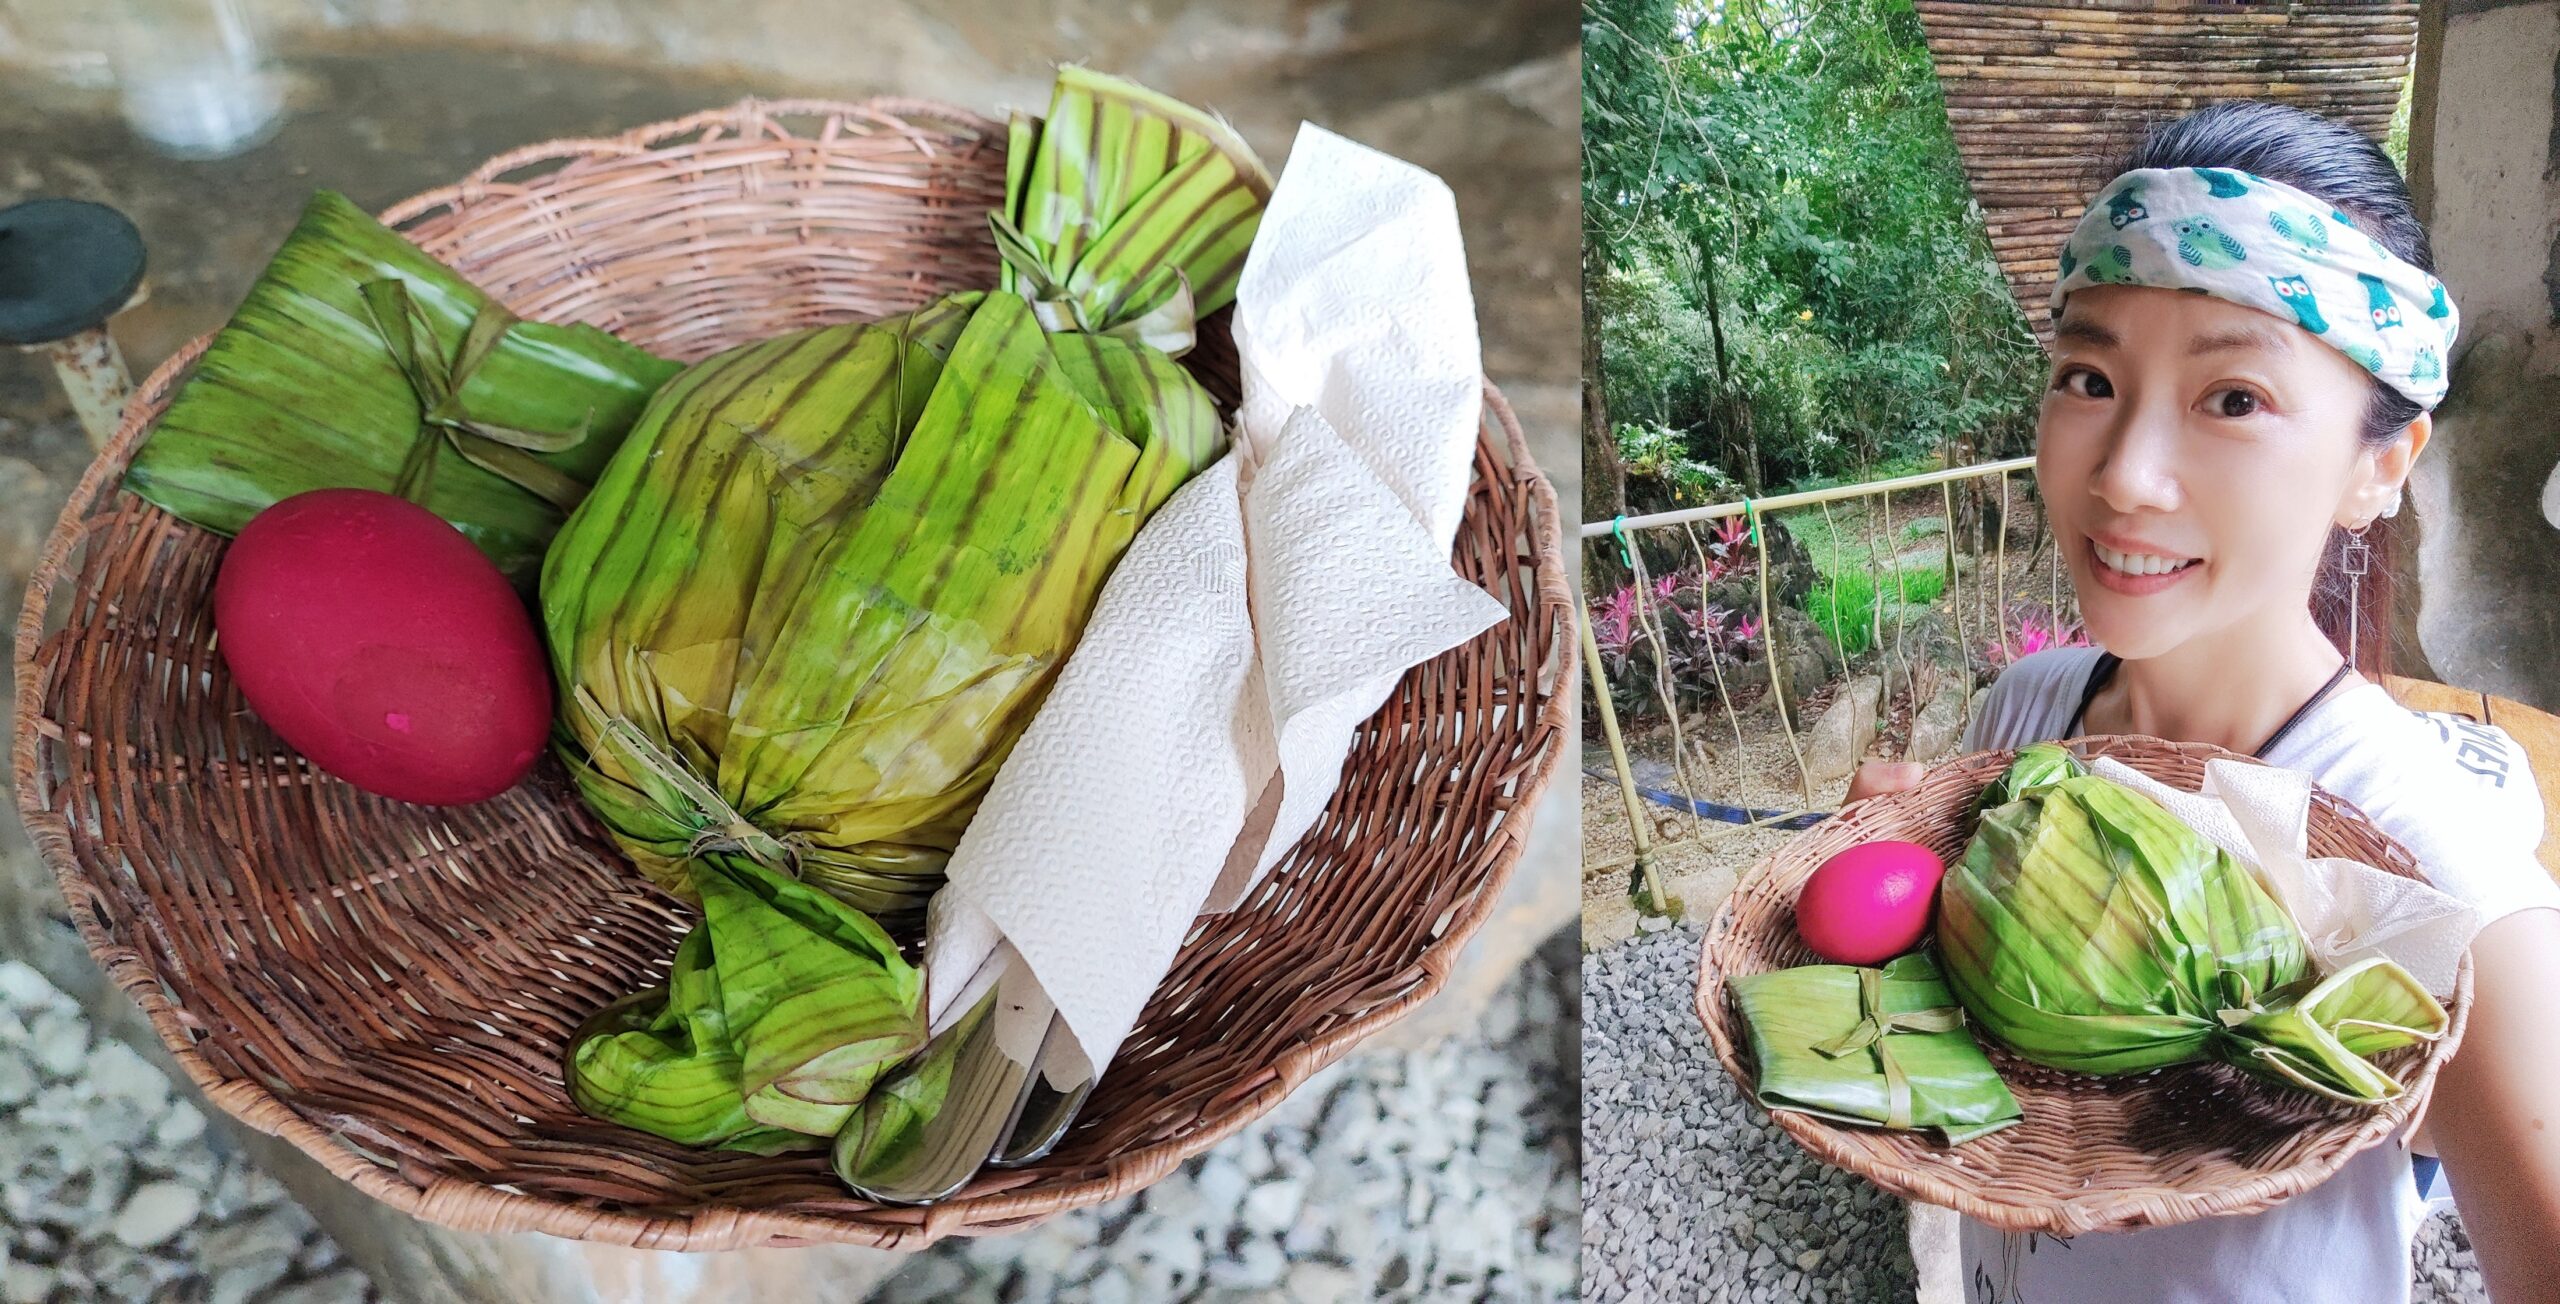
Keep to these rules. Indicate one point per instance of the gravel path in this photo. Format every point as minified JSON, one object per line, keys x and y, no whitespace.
{"x":1451,"y":1173}
{"x":113,"y":1189}
{"x":1693,"y":1194}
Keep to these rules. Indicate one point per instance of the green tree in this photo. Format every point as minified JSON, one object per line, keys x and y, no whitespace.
{"x":1783,"y":266}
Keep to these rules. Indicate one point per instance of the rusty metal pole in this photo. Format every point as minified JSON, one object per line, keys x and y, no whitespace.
{"x":66,"y":267}
{"x":93,"y":373}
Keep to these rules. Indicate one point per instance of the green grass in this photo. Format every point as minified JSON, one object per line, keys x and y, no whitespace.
{"x":1891,"y":469}
{"x":1844,"y":605}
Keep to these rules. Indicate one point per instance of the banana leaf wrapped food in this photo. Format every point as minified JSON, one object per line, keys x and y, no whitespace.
{"x":2089,"y":929}
{"x":1883,"y":1047}
{"x":826,"y":582}
{"x":358,"y":361}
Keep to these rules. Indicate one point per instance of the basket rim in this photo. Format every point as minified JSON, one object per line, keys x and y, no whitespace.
{"x":471,"y":1206}
{"x":2102,"y":1210}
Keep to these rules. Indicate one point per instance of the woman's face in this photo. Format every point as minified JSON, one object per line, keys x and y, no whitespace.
{"x":2194,"y":455}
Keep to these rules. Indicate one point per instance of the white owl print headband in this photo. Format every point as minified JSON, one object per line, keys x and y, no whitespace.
{"x":2263,"y":244}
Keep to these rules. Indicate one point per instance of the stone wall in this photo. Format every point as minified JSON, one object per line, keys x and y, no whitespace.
{"x":2485,"y":154}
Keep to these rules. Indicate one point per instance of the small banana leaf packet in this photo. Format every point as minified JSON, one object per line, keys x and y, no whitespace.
{"x":1882,"y":1047}
{"x":2089,"y":929}
{"x":357,"y":361}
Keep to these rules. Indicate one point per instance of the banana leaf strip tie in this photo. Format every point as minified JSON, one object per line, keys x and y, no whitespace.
{"x":722,"y":827}
{"x":501,"y":451}
{"x":1874,"y":1028}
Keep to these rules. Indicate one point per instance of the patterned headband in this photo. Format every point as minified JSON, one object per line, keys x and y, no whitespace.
{"x":2263,"y":244}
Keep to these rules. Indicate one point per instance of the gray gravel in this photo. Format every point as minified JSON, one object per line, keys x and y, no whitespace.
{"x":1693,"y":1194}
{"x":1451,"y":1173}
{"x":112,"y":1188}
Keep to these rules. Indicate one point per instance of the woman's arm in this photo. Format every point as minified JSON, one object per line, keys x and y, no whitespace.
{"x":2495,"y":1118}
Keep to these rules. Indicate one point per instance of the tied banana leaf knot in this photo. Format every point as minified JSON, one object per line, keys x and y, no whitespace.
{"x":1875,"y":1024}
{"x":2240,"y":1000}
{"x":502,"y":451}
{"x":721,"y":826}
{"x":1169,"y":324}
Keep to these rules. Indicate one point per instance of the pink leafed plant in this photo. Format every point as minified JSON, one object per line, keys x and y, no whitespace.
{"x":2037,"y":629}
{"x":1613,"y":623}
{"x":1732,"y":533}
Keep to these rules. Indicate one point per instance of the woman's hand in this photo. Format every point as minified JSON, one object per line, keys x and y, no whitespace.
{"x":1876,"y":778}
{"x":2495,"y":1118}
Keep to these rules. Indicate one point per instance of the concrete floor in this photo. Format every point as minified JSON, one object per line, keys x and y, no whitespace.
{"x":1486,"y":95}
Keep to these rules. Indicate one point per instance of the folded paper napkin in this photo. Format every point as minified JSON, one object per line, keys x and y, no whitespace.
{"x":2347,"y":910}
{"x":1200,"y":726}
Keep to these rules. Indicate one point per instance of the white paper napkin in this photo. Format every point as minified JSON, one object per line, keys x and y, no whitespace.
{"x":2347,"y":910}
{"x":1201,"y":724}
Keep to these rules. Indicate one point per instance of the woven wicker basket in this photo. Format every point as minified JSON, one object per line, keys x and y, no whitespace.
{"x":2092,"y":1153}
{"x":388,"y":986}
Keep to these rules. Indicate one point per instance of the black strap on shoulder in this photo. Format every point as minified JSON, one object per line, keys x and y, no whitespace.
{"x":2099,"y":674}
{"x":2105,"y":670}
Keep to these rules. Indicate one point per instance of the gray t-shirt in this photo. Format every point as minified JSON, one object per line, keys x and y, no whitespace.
{"x":2460,"y":797}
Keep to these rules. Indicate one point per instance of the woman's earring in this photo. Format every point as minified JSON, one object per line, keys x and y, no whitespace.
{"x":2357,"y":560}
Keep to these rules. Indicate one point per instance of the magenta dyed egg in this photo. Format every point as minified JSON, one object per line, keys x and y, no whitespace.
{"x":374,"y":638}
{"x":1870,"y":903}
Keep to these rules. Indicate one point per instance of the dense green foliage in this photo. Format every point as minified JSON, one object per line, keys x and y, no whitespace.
{"x":1784,"y":267}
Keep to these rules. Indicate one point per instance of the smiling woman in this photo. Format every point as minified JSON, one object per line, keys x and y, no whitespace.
{"x":2248,"y":340}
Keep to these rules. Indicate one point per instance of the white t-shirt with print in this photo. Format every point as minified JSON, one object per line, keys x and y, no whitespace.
{"x":2459,"y":796}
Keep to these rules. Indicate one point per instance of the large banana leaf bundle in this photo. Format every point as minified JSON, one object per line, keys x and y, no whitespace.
{"x":824,"y":585}
{"x":830,"y":575}
{"x":358,"y":361}
{"x":2090,"y":929}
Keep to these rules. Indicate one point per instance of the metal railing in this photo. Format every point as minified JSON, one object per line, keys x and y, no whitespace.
{"x":1983,"y":604}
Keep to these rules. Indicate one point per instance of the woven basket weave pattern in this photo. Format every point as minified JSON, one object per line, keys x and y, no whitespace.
{"x":389,"y":986}
{"x":2092,"y":1153}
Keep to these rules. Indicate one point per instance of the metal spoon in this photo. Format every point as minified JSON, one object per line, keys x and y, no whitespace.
{"x":991,"y":1080}
{"x":1048,"y":1112}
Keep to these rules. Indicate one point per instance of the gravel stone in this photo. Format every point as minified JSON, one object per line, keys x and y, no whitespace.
{"x":17,"y":1080}
{"x":59,"y":1042}
{"x":1451,"y":1173}
{"x":25,"y":990}
{"x":26,"y":1283}
{"x":157,"y":1212}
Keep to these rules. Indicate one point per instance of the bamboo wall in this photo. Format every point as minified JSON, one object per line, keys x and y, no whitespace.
{"x":2043,"y":96}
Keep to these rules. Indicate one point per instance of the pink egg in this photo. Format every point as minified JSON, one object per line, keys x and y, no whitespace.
{"x":374,"y":638}
{"x":1870,"y":903}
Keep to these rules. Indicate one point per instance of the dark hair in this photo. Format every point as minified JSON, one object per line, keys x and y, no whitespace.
{"x":2336,"y":163}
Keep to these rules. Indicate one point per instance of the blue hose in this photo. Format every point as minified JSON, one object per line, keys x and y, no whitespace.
{"x":1715,"y":810}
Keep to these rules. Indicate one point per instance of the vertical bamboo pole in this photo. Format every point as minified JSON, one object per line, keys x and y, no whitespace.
{"x":2000,"y":607}
{"x":1893,"y":573}
{"x":1838,"y":644}
{"x":1645,"y":872}
{"x":1715,"y":664}
{"x":1663,"y":689}
{"x":1769,"y":641}
{"x":1955,"y":606}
